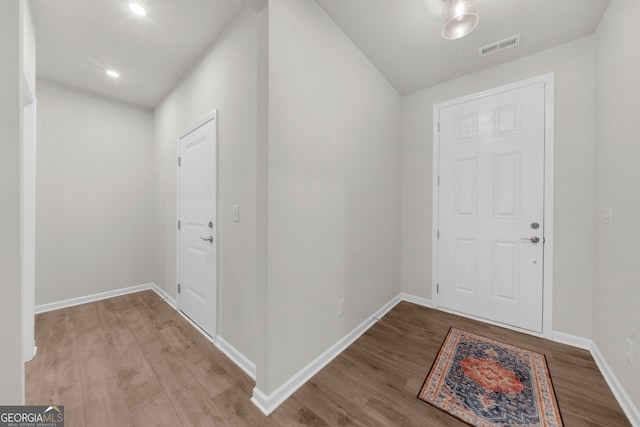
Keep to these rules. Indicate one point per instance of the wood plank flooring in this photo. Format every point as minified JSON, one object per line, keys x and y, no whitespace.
{"x":133,"y":360}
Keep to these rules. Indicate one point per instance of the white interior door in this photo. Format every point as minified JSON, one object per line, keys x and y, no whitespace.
{"x":197,"y":257}
{"x":491,"y":206}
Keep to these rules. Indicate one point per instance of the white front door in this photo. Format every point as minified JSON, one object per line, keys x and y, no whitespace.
{"x":491,"y":206}
{"x":197,"y":163}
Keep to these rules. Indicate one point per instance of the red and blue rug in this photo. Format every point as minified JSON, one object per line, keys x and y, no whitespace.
{"x":486,"y":383}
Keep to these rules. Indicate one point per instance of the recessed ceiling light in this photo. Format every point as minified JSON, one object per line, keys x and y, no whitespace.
{"x":137,"y":9}
{"x":113,"y":73}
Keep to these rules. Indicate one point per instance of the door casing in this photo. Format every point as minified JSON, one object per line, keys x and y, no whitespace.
{"x":28,"y":201}
{"x":547,"y":302}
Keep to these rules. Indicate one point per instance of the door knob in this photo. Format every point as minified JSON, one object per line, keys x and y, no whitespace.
{"x":207,"y":239}
{"x":533,"y":239}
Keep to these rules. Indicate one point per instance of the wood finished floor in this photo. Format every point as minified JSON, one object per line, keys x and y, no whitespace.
{"x":133,"y":360}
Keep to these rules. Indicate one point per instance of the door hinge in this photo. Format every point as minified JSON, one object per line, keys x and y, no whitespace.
{"x":179,"y":161}
{"x":437,"y":288}
{"x":438,"y":126}
{"x":438,"y":234}
{"x":178,"y":287}
{"x":438,"y":180}
{"x":179,"y":224}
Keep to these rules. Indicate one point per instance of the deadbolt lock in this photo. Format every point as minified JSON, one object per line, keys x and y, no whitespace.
{"x":211,"y":224}
{"x":535,"y":225}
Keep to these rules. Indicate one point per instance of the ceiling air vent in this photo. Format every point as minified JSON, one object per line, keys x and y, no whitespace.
{"x":507,"y":43}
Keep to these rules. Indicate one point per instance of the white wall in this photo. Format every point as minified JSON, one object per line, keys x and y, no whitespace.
{"x":29,"y":42}
{"x":617,"y":270}
{"x":226,"y":79}
{"x":262,"y":199}
{"x":28,"y":174}
{"x":573,"y":65}
{"x":333,"y":188}
{"x":11,"y":366}
{"x":94,"y":194}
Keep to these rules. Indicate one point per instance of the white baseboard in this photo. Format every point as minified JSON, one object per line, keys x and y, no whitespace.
{"x":627,"y":405}
{"x":268,"y":403}
{"x":625,"y":402}
{"x":262,"y":401}
{"x":196,"y":326}
{"x":31,"y":356}
{"x":236,"y":357}
{"x":43,"y":308}
{"x":425,"y":302}
{"x":572,"y":340}
{"x":221,"y":344}
{"x":630,"y":410}
{"x":230,"y":351}
{"x":165,"y":296}
{"x":382,"y":311}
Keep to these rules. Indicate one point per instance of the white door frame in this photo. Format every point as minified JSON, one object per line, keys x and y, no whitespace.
{"x":28,"y":231}
{"x":547,"y":302}
{"x":211,"y":116}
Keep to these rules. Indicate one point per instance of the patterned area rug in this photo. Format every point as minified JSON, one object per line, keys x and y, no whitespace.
{"x":488,"y":383}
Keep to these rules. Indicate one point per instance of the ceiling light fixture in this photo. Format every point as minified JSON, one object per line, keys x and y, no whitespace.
{"x":459,"y":18}
{"x":113,"y":73}
{"x":137,"y":9}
